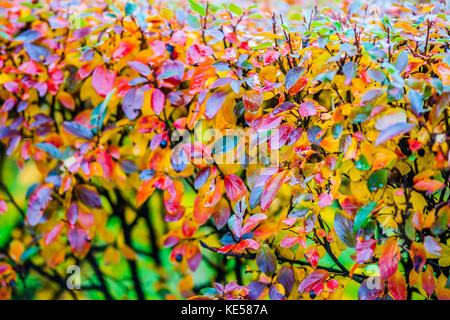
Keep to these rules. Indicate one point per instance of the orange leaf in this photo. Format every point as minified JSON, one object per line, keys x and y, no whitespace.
{"x":397,"y":286}
{"x":144,"y":191}
{"x":66,"y":100}
{"x":429,"y":185}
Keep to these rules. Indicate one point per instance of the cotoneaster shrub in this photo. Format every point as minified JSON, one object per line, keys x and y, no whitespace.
{"x":293,"y":155}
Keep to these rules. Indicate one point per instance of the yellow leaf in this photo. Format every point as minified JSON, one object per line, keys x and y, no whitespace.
{"x":128,"y":252}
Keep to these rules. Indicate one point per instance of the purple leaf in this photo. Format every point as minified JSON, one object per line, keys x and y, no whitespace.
{"x":78,"y":130}
{"x":132,"y":103}
{"x":393,"y":131}
{"x":89,"y":197}
{"x":266,"y":260}
{"x":292,"y":77}
{"x":37,"y":204}
{"x":140,"y":67}
{"x":214,"y":104}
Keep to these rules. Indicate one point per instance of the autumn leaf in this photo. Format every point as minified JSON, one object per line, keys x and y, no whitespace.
{"x":88,"y":196}
{"x":344,"y":229}
{"x":80,"y":241}
{"x":313,"y":280}
{"x":103,"y":80}
{"x":266,"y":260}
{"x":428,"y":281}
{"x":253,"y":100}
{"x":389,"y":259}
{"x":39,"y":201}
{"x":235,"y":187}
{"x":397,"y":286}
{"x":271,"y":189}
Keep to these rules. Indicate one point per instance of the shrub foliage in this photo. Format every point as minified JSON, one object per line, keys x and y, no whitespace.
{"x":295,"y":155}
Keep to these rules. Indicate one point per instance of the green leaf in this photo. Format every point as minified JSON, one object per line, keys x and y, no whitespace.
{"x":99,"y":113}
{"x":193,"y":22}
{"x":235,"y":9}
{"x":214,"y":7}
{"x":130,"y":8}
{"x":27,"y":254}
{"x":197,"y":8}
{"x":26,"y":19}
{"x":377,"y":180}
{"x":363,"y":215}
{"x":362,"y":163}
{"x":262,"y":45}
{"x":255,"y":16}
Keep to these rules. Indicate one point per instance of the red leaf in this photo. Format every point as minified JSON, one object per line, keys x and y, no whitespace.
{"x":235,"y":187}
{"x":279,"y":137}
{"x":418,"y":256}
{"x":3,"y":206}
{"x":103,"y":80}
{"x":397,"y":286}
{"x":428,"y":282}
{"x":50,"y":236}
{"x":270,"y":56}
{"x":271,"y":189}
{"x":350,"y":204}
{"x":30,"y":67}
{"x":288,"y":242}
{"x":158,"y":101}
{"x":122,"y":50}
{"x":252,"y":222}
{"x":429,"y":185}
{"x":312,"y":256}
{"x":389,"y":259}
{"x":106,"y":162}
{"x":294,"y":81}
{"x":196,"y":52}
{"x":252,"y":99}
{"x":313,"y":280}
{"x":200,"y":76}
